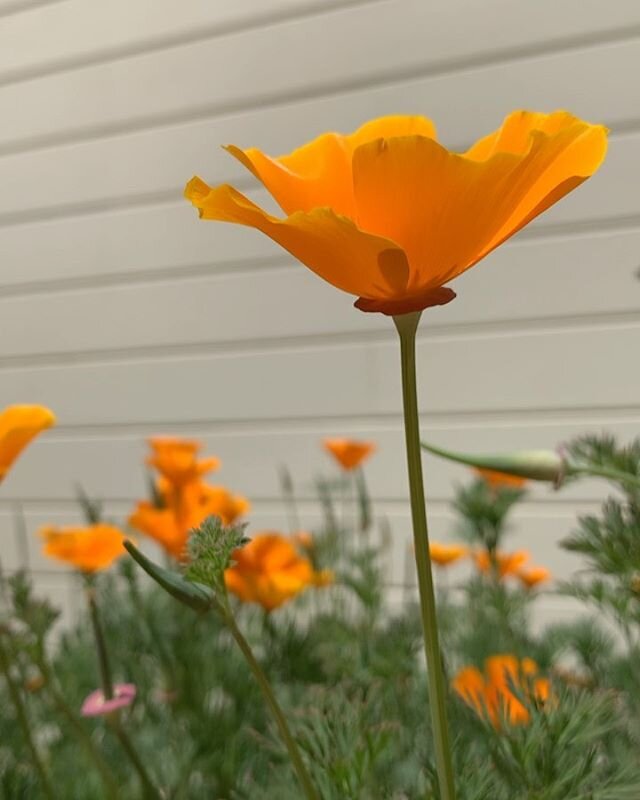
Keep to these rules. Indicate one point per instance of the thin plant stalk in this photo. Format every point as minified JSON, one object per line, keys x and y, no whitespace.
{"x":280,"y":719}
{"x":107,"y":690}
{"x":407,"y":325}
{"x":23,"y":721}
{"x":61,"y":705}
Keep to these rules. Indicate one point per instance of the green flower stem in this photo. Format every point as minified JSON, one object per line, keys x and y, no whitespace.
{"x":101,"y":644}
{"x":61,"y":705}
{"x":23,"y":721}
{"x":407,"y":325}
{"x":150,"y":790}
{"x":115,"y":724}
{"x":294,"y":754}
{"x":610,"y":474}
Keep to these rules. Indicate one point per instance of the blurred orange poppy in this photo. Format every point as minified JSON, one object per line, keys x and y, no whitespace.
{"x":88,"y":549}
{"x":176,"y":460}
{"x":184,"y":510}
{"x":493,"y":694}
{"x":505,"y":563}
{"x":349,"y":453}
{"x":533,"y":576}
{"x":270,"y":571}
{"x":185,"y":500}
{"x":445,"y":554}
{"x":388,"y":214}
{"x":18,"y":426}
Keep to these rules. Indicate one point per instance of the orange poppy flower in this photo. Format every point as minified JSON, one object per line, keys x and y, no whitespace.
{"x":88,"y":549}
{"x":506,"y":563}
{"x":270,"y":571}
{"x":445,"y":554}
{"x":500,"y":480}
{"x":533,"y":576}
{"x":184,"y":510}
{"x":388,"y":214}
{"x":161,"y":525}
{"x":176,"y":460}
{"x":349,"y":453}
{"x":492,"y":694}
{"x":218,"y":501}
{"x":18,"y":426}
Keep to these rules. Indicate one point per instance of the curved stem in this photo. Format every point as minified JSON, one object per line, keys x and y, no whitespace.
{"x":23,"y":721}
{"x":101,"y":644}
{"x":281,"y":721}
{"x":407,"y":325}
{"x":150,"y":790}
{"x":610,"y":474}
{"x":110,"y":785}
{"x":107,"y":690}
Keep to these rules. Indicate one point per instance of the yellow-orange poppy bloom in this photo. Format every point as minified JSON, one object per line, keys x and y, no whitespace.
{"x":445,"y":554}
{"x":176,"y":460}
{"x":270,"y":571}
{"x":390,"y":215}
{"x":88,"y":549}
{"x":18,"y":426}
{"x":533,"y":576}
{"x":185,"y":509}
{"x":500,"y":480}
{"x":492,"y":694}
{"x":505,"y":563}
{"x":161,"y":525}
{"x":349,"y":453}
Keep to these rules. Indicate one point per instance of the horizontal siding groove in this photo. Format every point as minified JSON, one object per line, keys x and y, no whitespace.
{"x":308,"y":503}
{"x":378,"y":79}
{"x":300,"y":342}
{"x":531,"y":507}
{"x":134,"y":277}
{"x":315,"y":425}
{"x":9,"y":8}
{"x":210,"y":32}
{"x":261,"y":264}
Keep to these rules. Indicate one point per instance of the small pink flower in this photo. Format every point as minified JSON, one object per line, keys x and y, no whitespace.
{"x":95,"y":704}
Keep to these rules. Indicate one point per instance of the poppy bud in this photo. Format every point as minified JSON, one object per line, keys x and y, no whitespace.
{"x":537,"y":465}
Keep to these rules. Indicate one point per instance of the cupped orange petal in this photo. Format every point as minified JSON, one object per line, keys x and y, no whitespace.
{"x":88,"y":549}
{"x":269,"y":570}
{"x":19,"y":424}
{"x":161,"y":525}
{"x":390,"y":215}
{"x":349,"y":453}
{"x":320,"y":172}
{"x":448,"y":211}
{"x":329,"y":244}
{"x":176,"y":459}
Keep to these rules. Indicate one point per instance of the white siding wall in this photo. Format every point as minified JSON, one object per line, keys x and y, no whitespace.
{"x":129,"y":317}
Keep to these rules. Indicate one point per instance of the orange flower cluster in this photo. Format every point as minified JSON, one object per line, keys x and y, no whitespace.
{"x":18,"y":426}
{"x":390,"y":215}
{"x":88,"y":549}
{"x":511,"y":564}
{"x":349,"y":453}
{"x":185,"y":499}
{"x":270,"y":571}
{"x":492,"y":695}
